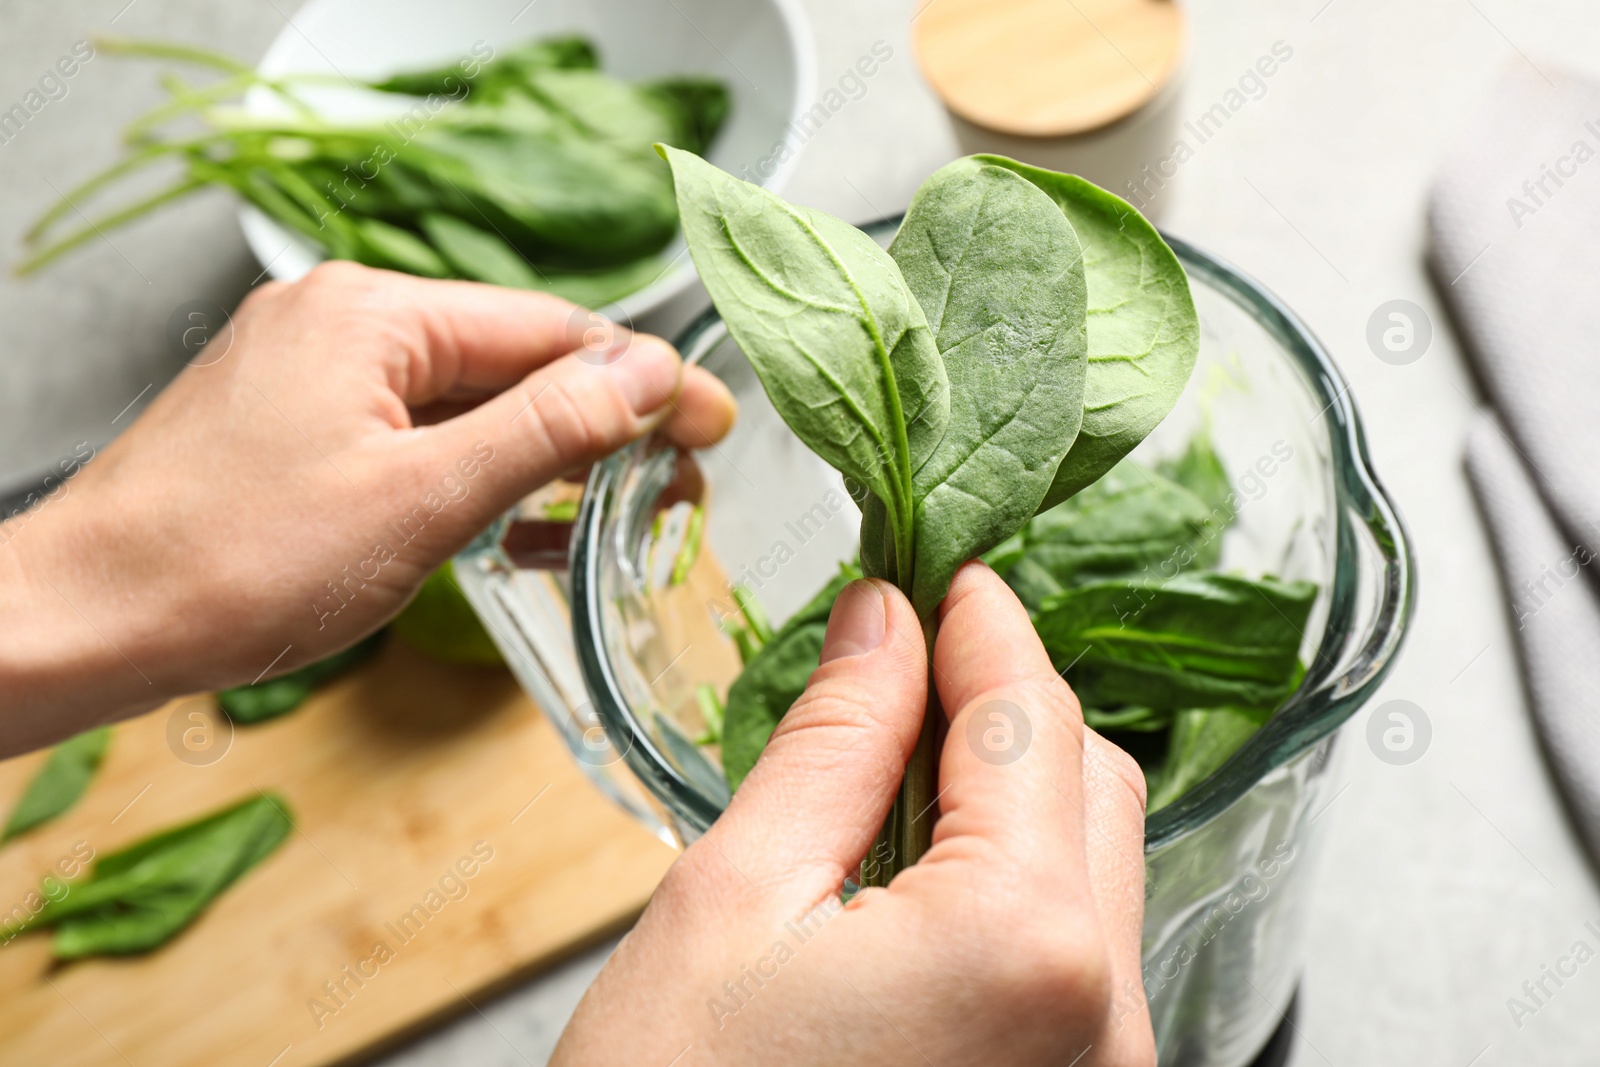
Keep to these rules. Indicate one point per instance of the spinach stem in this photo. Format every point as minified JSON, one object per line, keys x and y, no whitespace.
{"x":93,"y":229}
{"x":907,"y":833}
{"x":68,"y":202}
{"x":689,"y":551}
{"x":128,"y":46}
{"x":185,"y":100}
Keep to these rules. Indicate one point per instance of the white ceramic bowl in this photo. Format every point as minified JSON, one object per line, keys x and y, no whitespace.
{"x":761,"y":48}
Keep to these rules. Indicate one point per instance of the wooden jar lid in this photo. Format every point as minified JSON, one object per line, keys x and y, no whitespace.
{"x":1047,"y":68}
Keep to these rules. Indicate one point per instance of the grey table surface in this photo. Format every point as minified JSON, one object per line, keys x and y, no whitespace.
{"x":1447,"y":883}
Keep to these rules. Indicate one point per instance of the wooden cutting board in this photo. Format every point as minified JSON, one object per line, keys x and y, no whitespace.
{"x":401,"y":775}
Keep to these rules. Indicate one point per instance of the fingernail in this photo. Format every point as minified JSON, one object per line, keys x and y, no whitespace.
{"x":859,"y":619}
{"x":648,"y":372}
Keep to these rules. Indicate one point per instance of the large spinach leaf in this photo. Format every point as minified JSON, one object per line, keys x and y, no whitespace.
{"x":137,"y":898}
{"x":774,"y":679}
{"x":60,"y":782}
{"x":1132,"y":521}
{"x":1199,"y":640}
{"x":1144,"y":334}
{"x":999,"y":274}
{"x":825,"y":318}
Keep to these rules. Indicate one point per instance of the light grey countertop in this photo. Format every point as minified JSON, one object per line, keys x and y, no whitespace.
{"x":1445,"y":883}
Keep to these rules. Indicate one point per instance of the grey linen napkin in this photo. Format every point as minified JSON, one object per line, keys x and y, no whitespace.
{"x":1514,"y":243}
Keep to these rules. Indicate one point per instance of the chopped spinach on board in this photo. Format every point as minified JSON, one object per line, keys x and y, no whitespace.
{"x":60,"y":782}
{"x":139,"y":897}
{"x":530,"y":168}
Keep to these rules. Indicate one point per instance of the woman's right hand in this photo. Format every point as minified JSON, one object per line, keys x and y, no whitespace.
{"x":1014,"y":941}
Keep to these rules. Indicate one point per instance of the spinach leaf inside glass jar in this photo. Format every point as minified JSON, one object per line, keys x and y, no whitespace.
{"x":1024,"y":332}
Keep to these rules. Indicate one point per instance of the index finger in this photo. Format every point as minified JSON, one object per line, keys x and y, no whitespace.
{"x":1011,"y":770}
{"x":453,"y":340}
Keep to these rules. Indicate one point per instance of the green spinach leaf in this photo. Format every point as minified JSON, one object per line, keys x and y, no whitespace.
{"x":536,"y":173}
{"x":1032,"y":582}
{"x":703,"y":105}
{"x":261,"y":701}
{"x":441,"y":623}
{"x":825,"y":318}
{"x":1197,"y":641}
{"x":774,"y":679}
{"x":1134,"y":718}
{"x":476,"y":253}
{"x":999,"y":274}
{"x":506,"y":73}
{"x":711,"y":712}
{"x":1144,"y":334}
{"x":1131,"y":521}
{"x":1199,"y":469}
{"x":597,"y":288}
{"x":1200,"y":743}
{"x":383,"y":245}
{"x":571,"y":202}
{"x":60,"y":782}
{"x":138,"y":898}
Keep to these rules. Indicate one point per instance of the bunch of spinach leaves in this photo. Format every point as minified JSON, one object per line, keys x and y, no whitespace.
{"x":1024,"y":331}
{"x":532,"y":170}
{"x":139,"y":897}
{"x":1175,"y":661}
{"x":1172,"y":659}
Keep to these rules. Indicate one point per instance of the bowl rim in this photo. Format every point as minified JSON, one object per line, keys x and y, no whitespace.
{"x":1334,"y":688}
{"x":269,"y":241}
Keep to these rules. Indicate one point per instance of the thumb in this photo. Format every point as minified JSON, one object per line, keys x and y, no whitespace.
{"x":563,"y":416}
{"x":815,"y":800}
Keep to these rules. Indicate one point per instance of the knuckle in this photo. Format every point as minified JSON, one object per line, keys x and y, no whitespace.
{"x":1052,"y":691}
{"x":1127,"y":769}
{"x":833,"y":702}
{"x":344,"y":291}
{"x":336,"y":274}
{"x":261,"y":294}
{"x":831,"y":722}
{"x":568,"y":429}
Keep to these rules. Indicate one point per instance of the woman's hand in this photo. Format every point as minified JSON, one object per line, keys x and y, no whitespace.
{"x":284,"y":499}
{"x":1014,"y":941}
